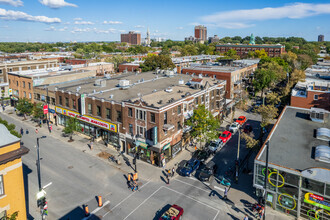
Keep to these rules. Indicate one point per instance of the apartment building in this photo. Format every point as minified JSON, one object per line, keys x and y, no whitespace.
{"x":139,"y":114}
{"x":131,"y":38}
{"x":243,"y":49}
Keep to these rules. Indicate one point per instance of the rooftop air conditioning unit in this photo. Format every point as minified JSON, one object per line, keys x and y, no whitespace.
{"x":181,"y":81}
{"x":111,"y":96}
{"x":123,"y":83}
{"x":169,"y":89}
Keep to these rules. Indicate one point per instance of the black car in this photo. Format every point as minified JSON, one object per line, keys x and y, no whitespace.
{"x":206,"y":172}
{"x":201,"y":155}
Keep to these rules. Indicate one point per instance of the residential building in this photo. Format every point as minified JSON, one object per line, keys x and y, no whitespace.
{"x":129,"y":67}
{"x":201,"y":33}
{"x":191,"y":38}
{"x":12,"y":192}
{"x":214,"y":39}
{"x":140,"y":114}
{"x":320,"y":38}
{"x":76,"y":61}
{"x":235,"y":75}
{"x":297,"y":177}
{"x":132,"y":38}
{"x":243,"y":49}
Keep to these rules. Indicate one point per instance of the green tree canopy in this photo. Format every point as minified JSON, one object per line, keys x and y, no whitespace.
{"x":24,"y":106}
{"x":154,"y":62}
{"x":72,"y":124}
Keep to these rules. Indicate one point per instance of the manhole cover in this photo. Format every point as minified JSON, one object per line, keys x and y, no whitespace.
{"x":70,"y":167}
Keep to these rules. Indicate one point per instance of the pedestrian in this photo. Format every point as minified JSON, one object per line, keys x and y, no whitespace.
{"x":50,"y":128}
{"x":225,"y":194}
{"x":27,"y":131}
{"x":37,"y":131}
{"x":135,"y":176}
{"x":91,"y":144}
{"x":173,"y":170}
{"x":246,"y":217}
{"x":169,"y":173}
{"x":22,"y":131}
{"x":129,"y":178}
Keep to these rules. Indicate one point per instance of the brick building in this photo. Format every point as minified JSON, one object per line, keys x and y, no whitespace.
{"x":131,"y":38}
{"x":234,"y":75}
{"x":129,"y":67}
{"x":142,"y":113}
{"x":76,"y":61}
{"x":243,"y":49}
{"x":201,"y":33}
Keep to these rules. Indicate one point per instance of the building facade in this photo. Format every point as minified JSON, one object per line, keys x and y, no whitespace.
{"x":320,"y":38}
{"x":12,"y":192}
{"x":201,"y":33}
{"x":131,"y":38}
{"x":243,"y":50}
{"x":142,"y":114}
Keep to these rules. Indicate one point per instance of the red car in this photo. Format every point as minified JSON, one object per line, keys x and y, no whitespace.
{"x":241,"y":120}
{"x":175,"y":212}
{"x":225,"y":136}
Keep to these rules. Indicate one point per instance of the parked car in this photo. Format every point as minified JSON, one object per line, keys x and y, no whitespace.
{"x":215,"y":145}
{"x":241,"y":120}
{"x":233,"y":128}
{"x":248,"y":128}
{"x":222,"y":180}
{"x":209,"y":170}
{"x":175,"y":212}
{"x":189,"y":167}
{"x":201,"y":155}
{"x":225,"y":136}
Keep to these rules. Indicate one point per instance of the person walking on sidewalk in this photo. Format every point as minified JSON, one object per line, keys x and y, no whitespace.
{"x":173,"y":170}
{"x":225,"y":194}
{"x":37,"y":131}
{"x":27,"y":131}
{"x":50,"y":128}
{"x":22,"y":131}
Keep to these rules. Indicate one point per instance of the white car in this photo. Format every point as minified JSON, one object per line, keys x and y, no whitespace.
{"x":234,"y":127}
{"x":215,"y":145}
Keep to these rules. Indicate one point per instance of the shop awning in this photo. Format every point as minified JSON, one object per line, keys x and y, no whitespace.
{"x":141,"y":144}
{"x":166,"y":146}
{"x":51,"y":110}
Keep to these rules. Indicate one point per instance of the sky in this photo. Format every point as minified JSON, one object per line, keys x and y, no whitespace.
{"x":105,"y":20}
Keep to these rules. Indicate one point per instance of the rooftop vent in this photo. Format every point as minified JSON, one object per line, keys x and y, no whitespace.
{"x":169,"y":89}
{"x":111,"y":96}
{"x":322,"y":153}
{"x":78,"y":88}
{"x":94,"y":91}
{"x":323,"y":134}
{"x":155,"y":90}
{"x":160,"y":102}
{"x":181,"y":81}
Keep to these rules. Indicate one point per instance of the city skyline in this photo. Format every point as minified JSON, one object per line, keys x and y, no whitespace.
{"x":72,"y":20}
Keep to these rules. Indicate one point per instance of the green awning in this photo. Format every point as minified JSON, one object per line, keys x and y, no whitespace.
{"x":141,"y":144}
{"x":166,"y":146}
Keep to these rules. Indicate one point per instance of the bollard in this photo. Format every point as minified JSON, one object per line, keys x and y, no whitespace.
{"x":99,"y":198}
{"x":86,"y":210}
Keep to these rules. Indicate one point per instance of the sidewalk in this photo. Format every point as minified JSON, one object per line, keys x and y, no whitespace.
{"x":146,"y":171}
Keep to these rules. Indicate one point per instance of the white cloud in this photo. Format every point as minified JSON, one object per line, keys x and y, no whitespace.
{"x":112,"y":22}
{"x":95,"y":30}
{"x":139,"y":26}
{"x":243,"y":18}
{"x":22,"y":16}
{"x":84,"y":22}
{"x":77,"y":19}
{"x":51,"y":28}
{"x":179,"y":28}
{"x":63,"y":29}
{"x":15,"y":3}
{"x":56,"y":3}
{"x":122,"y":31}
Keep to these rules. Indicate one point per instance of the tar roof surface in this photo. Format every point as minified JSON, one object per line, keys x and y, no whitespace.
{"x":293,"y":142}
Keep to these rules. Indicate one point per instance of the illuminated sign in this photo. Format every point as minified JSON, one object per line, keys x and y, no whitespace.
{"x":88,"y":119}
{"x":316,"y":200}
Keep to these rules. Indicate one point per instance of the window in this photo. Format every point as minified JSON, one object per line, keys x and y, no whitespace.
{"x":89,"y":108}
{"x":131,"y":129}
{"x":30,"y":96}
{"x":108,"y":110}
{"x":130,"y":112}
{"x":59,"y":99}
{"x":179,"y":109}
{"x":42,"y":98}
{"x":152,"y":117}
{"x":24,"y":94}
{"x":10,"y":69}
{"x":29,"y":67}
{"x":141,"y":131}
{"x":184,"y":107}
{"x":98,"y":110}
{"x":23,"y":84}
{"x":53,"y":101}
{"x":140,"y":115}
{"x":73,"y":103}
{"x":202,"y":98}
{"x":29,"y":85}
{"x":165,"y":118}
{"x":196,"y":100}
{"x":9,"y":82}
{"x":0,"y":71}
{"x":66,"y":102}
{"x":179,"y":125}
{"x":316,"y":97}
{"x":119,"y":116}
{"x":16,"y":83}
{"x":2,"y":191}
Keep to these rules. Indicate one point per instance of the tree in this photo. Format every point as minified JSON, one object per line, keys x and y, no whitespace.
{"x":263,"y":80}
{"x":203,"y":125}
{"x":24,"y":106}
{"x":154,"y":62}
{"x":250,"y":142}
{"x":297,"y":75}
{"x":273,"y":98}
{"x":38,"y":111}
{"x":260,"y":54}
{"x":13,"y":216}
{"x":72,"y":125}
{"x":267,"y":113}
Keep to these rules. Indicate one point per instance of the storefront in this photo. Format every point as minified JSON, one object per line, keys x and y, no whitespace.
{"x":90,"y":126}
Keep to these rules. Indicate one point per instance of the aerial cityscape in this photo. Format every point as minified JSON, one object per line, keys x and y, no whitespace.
{"x":164,"y":110}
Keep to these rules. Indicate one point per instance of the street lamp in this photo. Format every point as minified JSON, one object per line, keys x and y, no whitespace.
{"x":38,"y":162}
{"x":237,"y":159}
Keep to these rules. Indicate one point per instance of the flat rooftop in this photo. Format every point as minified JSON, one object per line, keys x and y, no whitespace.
{"x":292,"y":142}
{"x":222,"y":69}
{"x":44,"y":73}
{"x":251,"y":45}
{"x":150,"y":87}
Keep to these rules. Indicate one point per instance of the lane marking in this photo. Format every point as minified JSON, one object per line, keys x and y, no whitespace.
{"x":216,"y":215}
{"x":144,"y":201}
{"x":99,"y":208}
{"x":125,"y":199}
{"x":206,"y":183}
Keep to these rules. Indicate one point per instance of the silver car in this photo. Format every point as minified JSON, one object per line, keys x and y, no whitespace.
{"x":215,"y":145}
{"x":234,"y":127}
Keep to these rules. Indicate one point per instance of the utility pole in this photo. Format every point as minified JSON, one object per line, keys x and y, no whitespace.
{"x":38,"y":163}
{"x":237,"y":159}
{"x":266,"y":179}
{"x":47,"y":100}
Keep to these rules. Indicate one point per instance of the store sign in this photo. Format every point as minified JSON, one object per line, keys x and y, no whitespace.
{"x":88,"y":119}
{"x":45,"y":109}
{"x":82,"y":104}
{"x":166,"y":146}
{"x":316,"y":200}
{"x":10,"y":91}
{"x":154,"y":133}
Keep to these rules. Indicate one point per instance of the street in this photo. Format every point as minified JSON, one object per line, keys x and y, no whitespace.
{"x":78,"y":176}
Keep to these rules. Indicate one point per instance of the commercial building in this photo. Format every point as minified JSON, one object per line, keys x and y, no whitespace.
{"x":201,"y":33}
{"x":241,"y":71}
{"x":139,"y":114}
{"x":298,"y":177}
{"x":12,"y":193}
{"x":129,"y":67}
{"x":244,"y":49}
{"x":320,"y":38}
{"x":131,"y":38}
